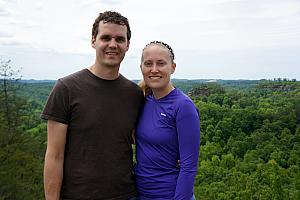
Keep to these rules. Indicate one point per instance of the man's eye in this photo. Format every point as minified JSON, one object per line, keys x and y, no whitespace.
{"x":105,"y":38}
{"x":120,"y":39}
{"x":161,"y":63}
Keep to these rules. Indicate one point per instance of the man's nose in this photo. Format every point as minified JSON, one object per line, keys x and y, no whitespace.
{"x":113,"y":43}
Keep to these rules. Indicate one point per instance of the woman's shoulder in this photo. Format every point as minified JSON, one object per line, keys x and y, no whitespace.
{"x":184,"y":104}
{"x":182,"y":98}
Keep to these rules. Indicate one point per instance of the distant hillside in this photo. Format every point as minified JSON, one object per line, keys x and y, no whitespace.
{"x":184,"y":84}
{"x":37,"y":81}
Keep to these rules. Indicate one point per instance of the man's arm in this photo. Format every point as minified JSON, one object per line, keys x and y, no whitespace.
{"x":54,"y":159}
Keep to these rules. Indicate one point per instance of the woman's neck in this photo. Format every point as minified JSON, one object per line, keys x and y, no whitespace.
{"x":162,"y":92}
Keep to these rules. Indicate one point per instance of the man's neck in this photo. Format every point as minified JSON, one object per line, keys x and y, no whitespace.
{"x":107,"y":73}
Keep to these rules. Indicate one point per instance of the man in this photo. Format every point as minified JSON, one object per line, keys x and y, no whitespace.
{"x":91,"y":115}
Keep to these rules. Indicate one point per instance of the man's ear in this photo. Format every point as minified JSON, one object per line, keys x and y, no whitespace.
{"x":93,"y":40}
{"x":128,"y":43}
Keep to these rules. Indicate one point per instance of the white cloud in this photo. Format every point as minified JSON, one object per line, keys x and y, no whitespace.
{"x":191,"y":27}
{"x":5,"y":35}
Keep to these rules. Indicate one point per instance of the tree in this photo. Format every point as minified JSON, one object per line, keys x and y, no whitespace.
{"x":20,"y":150}
{"x":9,"y":78}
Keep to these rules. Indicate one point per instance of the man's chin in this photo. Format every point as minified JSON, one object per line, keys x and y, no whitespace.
{"x":113,"y":65}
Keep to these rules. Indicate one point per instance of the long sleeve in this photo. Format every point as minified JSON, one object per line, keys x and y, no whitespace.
{"x":188,"y":130}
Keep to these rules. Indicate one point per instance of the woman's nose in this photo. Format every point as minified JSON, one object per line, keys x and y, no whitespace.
{"x":154,"y":68}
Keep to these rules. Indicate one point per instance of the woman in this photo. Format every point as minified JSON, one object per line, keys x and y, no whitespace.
{"x":168,"y":132}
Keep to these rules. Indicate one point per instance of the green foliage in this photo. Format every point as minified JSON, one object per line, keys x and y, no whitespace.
{"x":22,"y":141}
{"x":250,"y":141}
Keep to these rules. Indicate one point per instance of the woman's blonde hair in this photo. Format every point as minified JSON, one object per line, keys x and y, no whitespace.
{"x":146,"y":89}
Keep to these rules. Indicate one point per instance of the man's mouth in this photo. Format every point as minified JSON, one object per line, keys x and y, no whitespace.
{"x":111,"y":53}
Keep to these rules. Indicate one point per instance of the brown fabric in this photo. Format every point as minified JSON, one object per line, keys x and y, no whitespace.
{"x":101,"y":115}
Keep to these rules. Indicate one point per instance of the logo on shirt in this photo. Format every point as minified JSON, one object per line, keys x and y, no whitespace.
{"x":163,"y":114}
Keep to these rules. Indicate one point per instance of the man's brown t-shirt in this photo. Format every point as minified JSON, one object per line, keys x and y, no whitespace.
{"x":101,"y":115}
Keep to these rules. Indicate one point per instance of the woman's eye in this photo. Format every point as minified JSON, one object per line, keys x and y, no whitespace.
{"x":147,"y":64}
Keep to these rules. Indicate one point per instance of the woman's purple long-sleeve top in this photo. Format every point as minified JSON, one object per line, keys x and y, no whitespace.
{"x":168,"y":131}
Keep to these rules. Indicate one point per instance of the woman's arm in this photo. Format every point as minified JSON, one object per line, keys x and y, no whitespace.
{"x":188,"y":130}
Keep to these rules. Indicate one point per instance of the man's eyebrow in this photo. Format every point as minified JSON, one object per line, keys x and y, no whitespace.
{"x":120,"y":36}
{"x":105,"y":35}
{"x":108,"y":35}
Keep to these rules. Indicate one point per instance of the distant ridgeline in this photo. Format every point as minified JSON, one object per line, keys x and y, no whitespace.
{"x":31,"y":86}
{"x":37,"y":81}
{"x":188,"y":84}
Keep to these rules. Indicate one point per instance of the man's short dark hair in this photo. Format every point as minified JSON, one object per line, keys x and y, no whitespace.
{"x":110,"y":17}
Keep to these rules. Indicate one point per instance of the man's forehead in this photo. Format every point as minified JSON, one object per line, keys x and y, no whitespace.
{"x":111,"y":28}
{"x":110,"y":24}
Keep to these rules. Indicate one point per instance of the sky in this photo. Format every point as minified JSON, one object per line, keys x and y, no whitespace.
{"x":211,"y":39}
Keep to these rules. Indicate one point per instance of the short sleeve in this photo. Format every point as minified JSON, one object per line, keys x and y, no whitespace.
{"x":57,"y":106}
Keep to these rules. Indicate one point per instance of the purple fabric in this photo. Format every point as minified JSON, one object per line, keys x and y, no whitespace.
{"x":168,"y":131}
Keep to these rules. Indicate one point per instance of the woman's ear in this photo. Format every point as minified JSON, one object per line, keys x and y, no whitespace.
{"x":173,"y":67}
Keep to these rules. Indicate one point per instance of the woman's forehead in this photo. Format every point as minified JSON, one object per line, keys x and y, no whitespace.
{"x":156,"y":49}
{"x":157,"y":52}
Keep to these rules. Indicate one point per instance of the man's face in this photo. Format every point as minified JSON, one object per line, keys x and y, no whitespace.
{"x":111,"y":44}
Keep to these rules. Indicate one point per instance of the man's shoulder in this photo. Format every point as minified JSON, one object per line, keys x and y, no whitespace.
{"x":74,"y":76}
{"x":130,"y":83}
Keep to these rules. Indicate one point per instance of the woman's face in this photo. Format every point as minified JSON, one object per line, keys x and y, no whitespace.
{"x":157,"y":67}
